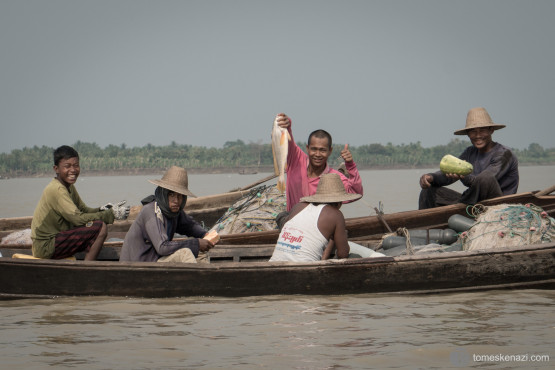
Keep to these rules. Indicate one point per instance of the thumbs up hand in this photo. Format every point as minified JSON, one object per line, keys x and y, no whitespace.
{"x":346,"y":154}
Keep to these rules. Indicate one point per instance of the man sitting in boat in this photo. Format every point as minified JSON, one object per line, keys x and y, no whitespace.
{"x":495,"y":168}
{"x":304,"y":170}
{"x":62,"y":223}
{"x":150,"y":237}
{"x":313,"y":223}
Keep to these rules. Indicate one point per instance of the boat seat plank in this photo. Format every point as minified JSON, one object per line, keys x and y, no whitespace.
{"x":28,"y":256}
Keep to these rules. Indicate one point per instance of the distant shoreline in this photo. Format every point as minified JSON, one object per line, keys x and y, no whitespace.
{"x":218,"y":170}
{"x":205,"y":171}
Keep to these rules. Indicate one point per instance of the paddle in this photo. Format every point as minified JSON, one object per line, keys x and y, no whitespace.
{"x":547,"y":191}
{"x":268,"y":178}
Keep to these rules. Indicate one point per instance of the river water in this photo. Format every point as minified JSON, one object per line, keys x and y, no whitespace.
{"x":494,"y":330}
{"x":397,"y":189}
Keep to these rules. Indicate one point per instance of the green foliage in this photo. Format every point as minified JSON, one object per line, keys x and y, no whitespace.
{"x":38,"y":160}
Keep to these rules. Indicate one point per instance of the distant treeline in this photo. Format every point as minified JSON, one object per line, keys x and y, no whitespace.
{"x":237,"y":154}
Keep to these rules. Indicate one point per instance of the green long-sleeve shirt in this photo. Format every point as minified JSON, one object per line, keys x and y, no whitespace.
{"x":60,"y":209}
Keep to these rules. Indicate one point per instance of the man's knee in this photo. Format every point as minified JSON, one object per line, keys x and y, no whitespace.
{"x":484,"y":186}
{"x":183,"y":255}
{"x":484,"y":178}
{"x":426,"y":198}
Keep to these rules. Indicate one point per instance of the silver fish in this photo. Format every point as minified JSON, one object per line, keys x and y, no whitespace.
{"x":280,"y":146}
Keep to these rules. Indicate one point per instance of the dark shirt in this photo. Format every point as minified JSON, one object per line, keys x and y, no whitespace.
{"x":151,"y":235}
{"x":500,"y":161}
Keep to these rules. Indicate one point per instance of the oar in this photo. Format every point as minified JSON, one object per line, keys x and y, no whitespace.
{"x":268,"y":178}
{"x":547,"y":191}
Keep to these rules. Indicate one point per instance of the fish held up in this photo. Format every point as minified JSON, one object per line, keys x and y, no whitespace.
{"x":280,"y":145}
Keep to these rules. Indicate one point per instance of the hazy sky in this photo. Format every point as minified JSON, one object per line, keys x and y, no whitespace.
{"x":206,"y":72}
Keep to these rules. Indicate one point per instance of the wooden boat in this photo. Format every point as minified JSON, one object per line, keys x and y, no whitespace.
{"x":243,"y":270}
{"x":517,"y":267}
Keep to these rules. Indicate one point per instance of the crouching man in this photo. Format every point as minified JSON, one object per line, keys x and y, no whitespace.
{"x":150,"y":237}
{"x":316,"y":226}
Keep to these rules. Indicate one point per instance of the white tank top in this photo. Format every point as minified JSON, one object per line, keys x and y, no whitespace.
{"x":300,"y":239}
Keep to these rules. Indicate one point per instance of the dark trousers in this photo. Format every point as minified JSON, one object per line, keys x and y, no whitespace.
{"x":485,"y":186}
{"x":80,"y":239}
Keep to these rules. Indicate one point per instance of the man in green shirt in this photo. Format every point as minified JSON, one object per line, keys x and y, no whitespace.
{"x":62,"y":223}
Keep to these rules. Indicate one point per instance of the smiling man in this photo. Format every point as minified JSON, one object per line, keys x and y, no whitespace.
{"x":304,"y":169}
{"x":62,"y":223}
{"x":495,"y":170}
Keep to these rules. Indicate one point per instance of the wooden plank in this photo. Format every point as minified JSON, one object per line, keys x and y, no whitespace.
{"x":112,"y":253}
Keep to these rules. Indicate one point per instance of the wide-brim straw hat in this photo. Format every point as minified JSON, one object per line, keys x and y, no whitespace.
{"x":478,"y":117}
{"x":330,"y":190}
{"x":175,"y":179}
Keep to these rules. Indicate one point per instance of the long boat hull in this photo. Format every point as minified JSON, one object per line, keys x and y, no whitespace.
{"x":517,"y":267}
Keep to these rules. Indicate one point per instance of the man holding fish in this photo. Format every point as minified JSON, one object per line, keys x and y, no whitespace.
{"x":304,"y":170}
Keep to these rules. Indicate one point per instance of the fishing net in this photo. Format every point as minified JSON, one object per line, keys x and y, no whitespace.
{"x":507,"y":225}
{"x":255,"y":211}
{"x":22,"y":237}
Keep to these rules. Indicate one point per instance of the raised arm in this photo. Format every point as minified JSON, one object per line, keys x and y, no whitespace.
{"x":293,"y":150}
{"x":353,"y":184}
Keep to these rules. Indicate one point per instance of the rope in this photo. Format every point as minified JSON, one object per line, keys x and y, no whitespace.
{"x":475,"y":210}
{"x":403,"y":231}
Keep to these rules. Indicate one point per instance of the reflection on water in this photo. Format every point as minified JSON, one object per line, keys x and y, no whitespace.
{"x":301,"y":332}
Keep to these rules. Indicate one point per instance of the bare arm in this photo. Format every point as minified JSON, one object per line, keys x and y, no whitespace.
{"x":332,"y":225}
{"x":340,"y":237}
{"x":328,"y":251}
{"x":352,"y":184}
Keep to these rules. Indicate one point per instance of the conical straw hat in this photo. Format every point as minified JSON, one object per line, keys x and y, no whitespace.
{"x":478,"y":117}
{"x":175,"y":179}
{"x":330,"y":190}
